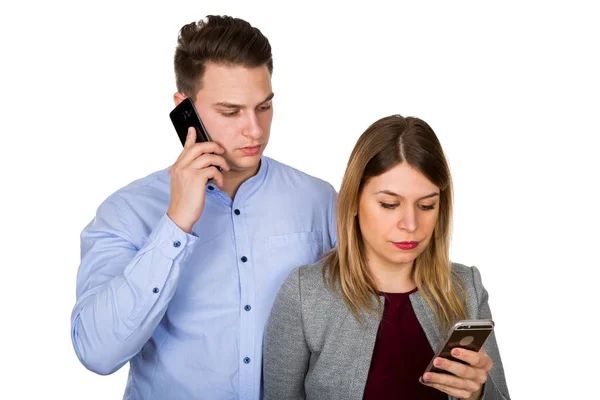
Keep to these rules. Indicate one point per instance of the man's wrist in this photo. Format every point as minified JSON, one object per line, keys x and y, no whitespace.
{"x":184,"y":227}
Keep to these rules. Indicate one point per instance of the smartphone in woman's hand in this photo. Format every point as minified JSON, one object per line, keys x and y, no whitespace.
{"x":466,"y":334}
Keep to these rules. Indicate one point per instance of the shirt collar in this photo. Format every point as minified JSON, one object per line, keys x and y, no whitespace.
{"x":248,"y":187}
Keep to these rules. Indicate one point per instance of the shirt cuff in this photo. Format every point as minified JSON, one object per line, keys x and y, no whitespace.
{"x":171,"y":239}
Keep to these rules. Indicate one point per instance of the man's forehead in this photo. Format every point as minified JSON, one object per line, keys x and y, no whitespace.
{"x":235,"y":84}
{"x":226,"y":75}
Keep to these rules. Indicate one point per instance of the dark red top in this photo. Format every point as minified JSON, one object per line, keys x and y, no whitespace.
{"x":401,"y":354}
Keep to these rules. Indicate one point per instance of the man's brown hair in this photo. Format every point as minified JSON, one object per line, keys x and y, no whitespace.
{"x":217,"y":39}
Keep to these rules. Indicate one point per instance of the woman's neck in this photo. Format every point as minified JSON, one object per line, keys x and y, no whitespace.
{"x":392,"y":278}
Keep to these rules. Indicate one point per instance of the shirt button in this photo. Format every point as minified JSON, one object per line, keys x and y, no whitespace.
{"x":211,"y":188}
{"x":247,"y":308}
{"x":244,"y":259}
{"x":176,"y":243}
{"x":155,"y":290}
{"x":246,"y":360}
{"x":237,"y":212}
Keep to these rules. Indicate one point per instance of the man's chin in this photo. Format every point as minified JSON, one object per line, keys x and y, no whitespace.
{"x":245,"y":163}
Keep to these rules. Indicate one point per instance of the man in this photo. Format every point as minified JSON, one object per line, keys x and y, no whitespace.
{"x":179,"y":269}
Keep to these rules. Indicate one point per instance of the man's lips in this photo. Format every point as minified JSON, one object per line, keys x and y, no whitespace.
{"x":250,"y":150}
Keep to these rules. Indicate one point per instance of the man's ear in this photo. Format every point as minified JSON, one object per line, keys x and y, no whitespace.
{"x":178,"y":98}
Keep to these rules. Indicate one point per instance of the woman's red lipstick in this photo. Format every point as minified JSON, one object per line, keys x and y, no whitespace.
{"x":406,"y":245}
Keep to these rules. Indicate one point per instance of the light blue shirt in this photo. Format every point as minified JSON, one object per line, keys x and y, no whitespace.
{"x":188,"y":310}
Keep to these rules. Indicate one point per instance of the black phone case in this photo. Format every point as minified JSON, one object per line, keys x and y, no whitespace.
{"x":185,"y":115}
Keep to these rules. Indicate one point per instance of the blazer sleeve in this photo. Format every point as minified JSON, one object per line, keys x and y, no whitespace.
{"x":495,"y":388}
{"x":286,"y":355}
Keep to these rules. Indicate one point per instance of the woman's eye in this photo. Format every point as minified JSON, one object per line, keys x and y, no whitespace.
{"x":388,"y":206}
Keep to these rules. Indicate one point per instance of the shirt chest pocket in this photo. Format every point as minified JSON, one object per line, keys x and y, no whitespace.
{"x":290,"y":250}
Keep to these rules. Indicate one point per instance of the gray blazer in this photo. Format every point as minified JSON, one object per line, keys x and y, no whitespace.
{"x":315,"y":349}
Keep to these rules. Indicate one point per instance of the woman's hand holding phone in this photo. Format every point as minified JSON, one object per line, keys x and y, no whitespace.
{"x":464,"y":381}
{"x":194,"y":167}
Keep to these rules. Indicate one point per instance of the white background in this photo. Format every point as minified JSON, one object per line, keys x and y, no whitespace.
{"x":511,"y":89}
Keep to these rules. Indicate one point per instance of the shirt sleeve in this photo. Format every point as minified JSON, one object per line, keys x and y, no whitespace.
{"x":123,"y":287}
{"x":331,"y":210}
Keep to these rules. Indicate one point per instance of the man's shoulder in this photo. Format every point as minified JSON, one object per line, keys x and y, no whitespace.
{"x":153,"y":186}
{"x":133,"y":209}
{"x":296,"y":178}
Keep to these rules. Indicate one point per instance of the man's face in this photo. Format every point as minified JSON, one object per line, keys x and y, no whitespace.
{"x":236,"y":107}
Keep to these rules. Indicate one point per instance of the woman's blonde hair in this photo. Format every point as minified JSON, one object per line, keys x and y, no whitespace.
{"x":385,"y":144}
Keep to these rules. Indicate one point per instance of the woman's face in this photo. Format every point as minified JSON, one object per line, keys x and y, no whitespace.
{"x":397,"y":214}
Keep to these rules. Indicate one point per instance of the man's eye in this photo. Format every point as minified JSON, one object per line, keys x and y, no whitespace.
{"x":229,"y":114}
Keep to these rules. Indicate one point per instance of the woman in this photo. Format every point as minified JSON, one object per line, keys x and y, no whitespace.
{"x":363,"y":323}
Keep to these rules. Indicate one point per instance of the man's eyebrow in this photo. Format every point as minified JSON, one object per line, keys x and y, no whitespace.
{"x":268,"y":98}
{"x":390,"y":193}
{"x":227,"y":104}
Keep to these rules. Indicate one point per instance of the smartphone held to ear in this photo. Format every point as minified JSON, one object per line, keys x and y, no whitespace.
{"x":466,"y":334}
{"x":185,"y":116}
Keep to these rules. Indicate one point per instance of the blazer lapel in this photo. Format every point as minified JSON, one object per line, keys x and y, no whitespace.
{"x":428,"y":323}
{"x":427,"y":320}
{"x":365,"y":343}
{"x":367,"y":335}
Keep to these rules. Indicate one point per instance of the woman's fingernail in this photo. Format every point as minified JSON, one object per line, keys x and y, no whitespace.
{"x":455,"y":352}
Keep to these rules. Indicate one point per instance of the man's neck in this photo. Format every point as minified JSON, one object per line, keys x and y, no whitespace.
{"x":232,"y":180}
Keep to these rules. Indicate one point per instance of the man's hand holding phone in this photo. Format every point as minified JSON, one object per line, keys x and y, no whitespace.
{"x":194,"y":167}
{"x":465,"y":381}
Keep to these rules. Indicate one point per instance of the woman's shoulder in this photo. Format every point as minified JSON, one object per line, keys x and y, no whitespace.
{"x":308,"y":284}
{"x":310,"y":279}
{"x":470,"y":280}
{"x":469,"y":274}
